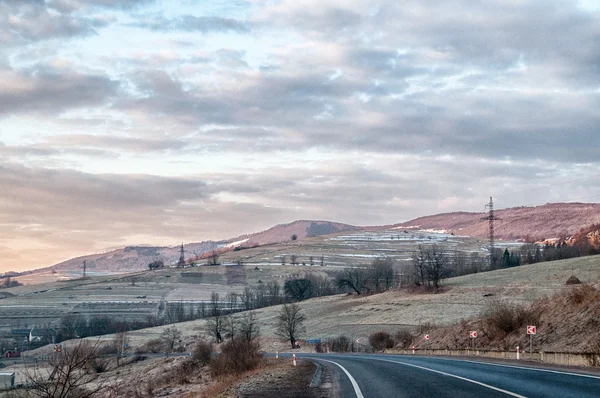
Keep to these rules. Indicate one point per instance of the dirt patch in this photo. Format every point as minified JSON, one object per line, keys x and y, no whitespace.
{"x":281,"y":380}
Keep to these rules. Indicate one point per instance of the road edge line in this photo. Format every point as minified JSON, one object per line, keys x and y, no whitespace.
{"x":518,"y":367}
{"x":352,"y":380}
{"x":512,"y":394}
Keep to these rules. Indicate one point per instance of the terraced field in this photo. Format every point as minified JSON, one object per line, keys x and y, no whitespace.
{"x":137,"y":295}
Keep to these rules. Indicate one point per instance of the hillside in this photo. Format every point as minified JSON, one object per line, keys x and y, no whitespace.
{"x":283,"y":232}
{"x":524,"y":223}
{"x":467,"y":297}
{"x":137,"y":258}
{"x":541,"y":222}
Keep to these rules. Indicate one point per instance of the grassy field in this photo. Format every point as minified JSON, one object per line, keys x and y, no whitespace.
{"x":465,"y":298}
{"x":139,"y":294}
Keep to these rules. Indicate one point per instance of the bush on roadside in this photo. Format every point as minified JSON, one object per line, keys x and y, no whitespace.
{"x":403,"y":339}
{"x":203,"y":352}
{"x":154,"y":346}
{"x":340,"y":344}
{"x":237,"y":356}
{"x":507,"y":317}
{"x":381,"y":340}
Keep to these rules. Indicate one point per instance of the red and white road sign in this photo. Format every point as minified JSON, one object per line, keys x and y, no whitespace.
{"x":531,"y":329}
{"x":473,"y":334}
{"x":426,"y":337}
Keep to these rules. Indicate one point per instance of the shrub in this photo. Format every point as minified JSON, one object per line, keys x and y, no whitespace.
{"x":507,"y":317}
{"x":340,"y":344}
{"x":99,"y":365}
{"x":319,"y":348}
{"x":154,"y":346}
{"x":237,"y":356}
{"x":381,"y":340}
{"x":203,"y":352}
{"x":403,"y":338}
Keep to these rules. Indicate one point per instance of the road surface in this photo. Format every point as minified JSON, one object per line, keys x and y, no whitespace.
{"x":375,"y":376}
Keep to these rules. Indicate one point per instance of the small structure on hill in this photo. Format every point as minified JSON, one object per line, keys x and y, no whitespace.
{"x":573,"y":280}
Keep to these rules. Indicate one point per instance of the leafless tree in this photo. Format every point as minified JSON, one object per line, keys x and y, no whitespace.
{"x":231,"y":326}
{"x":215,"y":308}
{"x":71,"y":374}
{"x":419,"y":261}
{"x":290,"y":323}
{"x":381,"y":274}
{"x":215,"y":326}
{"x":232,"y":300}
{"x":274,"y":292}
{"x":354,"y":278}
{"x":437,"y":268}
{"x":171,"y":337}
{"x":249,"y":329}
{"x":120,"y":342}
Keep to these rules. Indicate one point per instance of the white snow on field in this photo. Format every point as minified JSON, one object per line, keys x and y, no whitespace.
{"x":436,"y":231}
{"x":409,"y":227}
{"x":419,"y":236}
{"x":237,"y":243}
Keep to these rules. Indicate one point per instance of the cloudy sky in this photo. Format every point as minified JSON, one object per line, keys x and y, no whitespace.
{"x":131,"y":122}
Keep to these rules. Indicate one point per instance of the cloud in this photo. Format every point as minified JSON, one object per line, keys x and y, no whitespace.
{"x":191,"y":23}
{"x":44,"y":89}
{"x":23,"y":22}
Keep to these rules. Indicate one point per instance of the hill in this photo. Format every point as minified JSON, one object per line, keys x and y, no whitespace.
{"x":466,"y":298}
{"x":538,"y":223}
{"x":137,"y":258}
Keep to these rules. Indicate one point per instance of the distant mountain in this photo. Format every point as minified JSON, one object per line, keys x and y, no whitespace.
{"x":552,"y":220}
{"x":301,"y":228}
{"x":137,"y":258}
{"x":133,"y":258}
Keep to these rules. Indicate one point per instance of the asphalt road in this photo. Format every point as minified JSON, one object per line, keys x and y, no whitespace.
{"x":374,"y":376}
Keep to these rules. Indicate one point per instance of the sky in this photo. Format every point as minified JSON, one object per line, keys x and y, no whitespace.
{"x":128,"y":122}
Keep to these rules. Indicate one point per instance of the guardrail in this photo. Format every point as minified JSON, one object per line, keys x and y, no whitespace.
{"x":556,"y":358}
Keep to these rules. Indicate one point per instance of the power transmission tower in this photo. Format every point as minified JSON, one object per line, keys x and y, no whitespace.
{"x":491,"y":218}
{"x":181,"y":262}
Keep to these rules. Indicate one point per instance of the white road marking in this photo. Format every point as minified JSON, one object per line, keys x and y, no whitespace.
{"x":354,"y":383}
{"x":523,"y":367}
{"x":512,"y":394}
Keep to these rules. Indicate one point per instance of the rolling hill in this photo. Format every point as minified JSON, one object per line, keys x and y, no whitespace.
{"x":537,"y":223}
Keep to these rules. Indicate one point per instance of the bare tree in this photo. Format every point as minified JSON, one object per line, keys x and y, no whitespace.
{"x":214,"y":304}
{"x":71,"y":374}
{"x":290,"y":323}
{"x":274,"y":292}
{"x":249,"y":329}
{"x":171,"y":337}
{"x":419,"y":261}
{"x":232,"y":300}
{"x":230,"y":326}
{"x":437,"y":268}
{"x":215,"y":326}
{"x":120,"y":341}
{"x":353,"y":278}
{"x":381,"y":274}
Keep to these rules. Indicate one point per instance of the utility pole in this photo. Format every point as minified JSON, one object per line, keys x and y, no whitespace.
{"x":491,"y":218}
{"x":84,"y":267}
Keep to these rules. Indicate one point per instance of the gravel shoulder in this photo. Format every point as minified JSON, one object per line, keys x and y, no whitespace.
{"x":281,"y":380}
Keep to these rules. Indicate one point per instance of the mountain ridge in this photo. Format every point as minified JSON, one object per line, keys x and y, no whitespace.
{"x":527,"y":223}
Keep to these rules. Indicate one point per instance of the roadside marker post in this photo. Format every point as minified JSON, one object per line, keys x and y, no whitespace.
{"x":413,"y":349}
{"x":531,"y":330}
{"x":294,"y":359}
{"x":473,"y":336}
{"x":517,"y":353}
{"x":276,"y":354}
